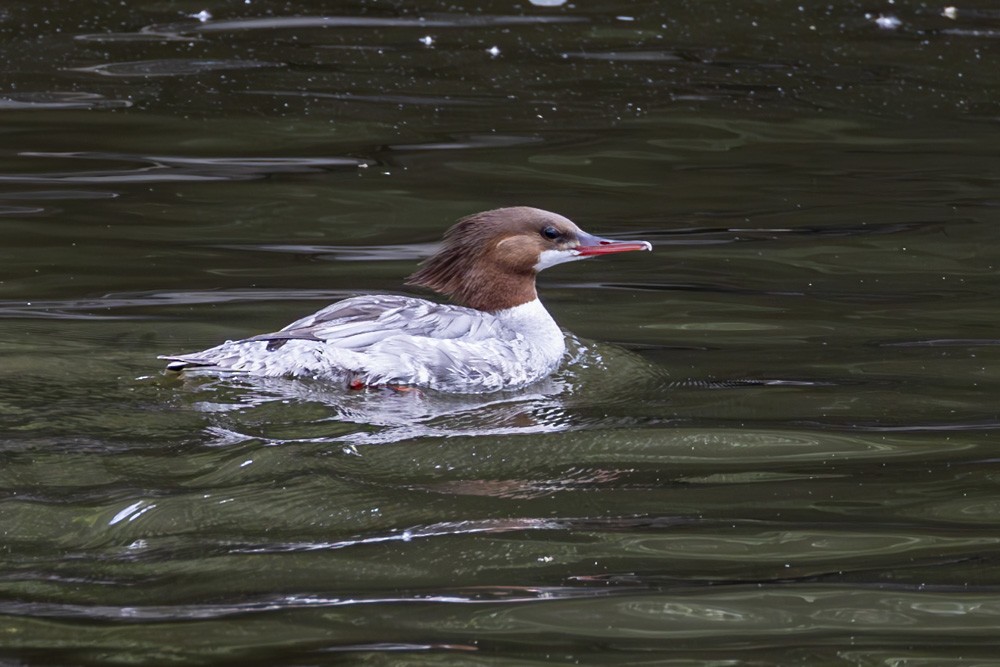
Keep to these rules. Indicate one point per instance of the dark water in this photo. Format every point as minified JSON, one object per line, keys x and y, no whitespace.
{"x":776,"y":441}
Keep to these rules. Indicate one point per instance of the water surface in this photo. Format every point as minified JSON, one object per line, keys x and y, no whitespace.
{"x":773,"y":442}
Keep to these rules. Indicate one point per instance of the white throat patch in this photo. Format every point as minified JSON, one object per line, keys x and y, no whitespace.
{"x":549,"y":258}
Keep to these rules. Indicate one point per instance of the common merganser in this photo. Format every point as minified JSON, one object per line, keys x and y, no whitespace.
{"x":501,"y":337}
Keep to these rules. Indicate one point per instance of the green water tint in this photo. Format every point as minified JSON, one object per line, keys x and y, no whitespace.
{"x":773,"y":443}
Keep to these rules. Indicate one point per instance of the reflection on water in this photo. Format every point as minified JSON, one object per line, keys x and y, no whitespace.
{"x":591,"y":375}
{"x":776,"y":446}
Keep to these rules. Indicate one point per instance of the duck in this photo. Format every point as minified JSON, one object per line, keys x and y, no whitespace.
{"x":495,"y":335}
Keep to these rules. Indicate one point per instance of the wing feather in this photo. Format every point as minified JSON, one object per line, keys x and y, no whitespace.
{"x":359,"y":323}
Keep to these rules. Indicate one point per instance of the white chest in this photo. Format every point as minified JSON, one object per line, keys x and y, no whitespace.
{"x":541,"y":333}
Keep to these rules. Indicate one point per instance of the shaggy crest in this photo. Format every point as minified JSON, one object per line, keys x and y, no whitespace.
{"x":458,"y":269}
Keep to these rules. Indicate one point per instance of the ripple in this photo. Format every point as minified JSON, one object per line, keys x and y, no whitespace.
{"x":192,"y":30}
{"x":946,"y":342}
{"x":177,"y":168}
{"x":155,"y":33}
{"x":836,"y":548}
{"x":988,"y":33}
{"x":59,"y":100}
{"x":266,"y":165}
{"x":509,"y":173}
{"x":383,"y":98}
{"x":750,"y":445}
{"x":132,"y":512}
{"x":55,"y":195}
{"x":376,"y":253}
{"x":78,"y":309}
{"x":171,"y":67}
{"x":626,"y":56}
{"x":775,"y":612}
{"x":967,"y":510}
{"x":182,"y":612}
{"x":574,"y":479}
{"x":433,"y":21}
{"x":913,"y":427}
{"x":471,"y":141}
{"x":490,"y":526}
{"x":20,"y":210}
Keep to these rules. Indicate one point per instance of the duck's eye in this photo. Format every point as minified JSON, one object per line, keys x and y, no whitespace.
{"x":550,"y":233}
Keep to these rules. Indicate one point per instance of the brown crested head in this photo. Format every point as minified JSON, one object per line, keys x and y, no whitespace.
{"x":489,"y":260}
